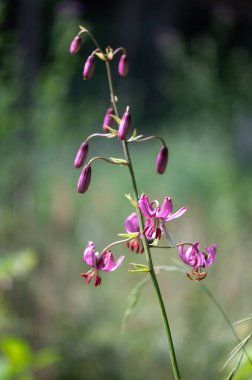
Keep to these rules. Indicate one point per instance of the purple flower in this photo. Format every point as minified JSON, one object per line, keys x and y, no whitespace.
{"x":84,"y":179}
{"x":81,"y":155}
{"x":131,"y":225}
{"x":75,"y":45}
{"x":162,"y":159}
{"x":89,"y":67}
{"x":108,"y":120}
{"x":198,"y":260}
{"x":156,"y":216}
{"x":99,"y":262}
{"x":125,"y":125}
{"x":123,"y":66}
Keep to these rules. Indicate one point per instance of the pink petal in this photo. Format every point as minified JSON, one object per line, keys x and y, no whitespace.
{"x":177,"y":214}
{"x":211,"y":254}
{"x":145,"y":207}
{"x":89,"y":254}
{"x":131,"y":223}
{"x":108,"y":263}
{"x":166,"y":209}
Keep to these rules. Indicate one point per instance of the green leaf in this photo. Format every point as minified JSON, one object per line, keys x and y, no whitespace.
{"x":234,"y":371}
{"x":132,"y":201}
{"x":237,"y":348}
{"x":129,"y":235}
{"x":117,"y":119}
{"x":242,"y":320}
{"x":119,"y":161}
{"x":132,"y":301}
{"x":100,"y":55}
{"x":134,"y":136}
{"x":114,"y":132}
{"x":139,"y":268}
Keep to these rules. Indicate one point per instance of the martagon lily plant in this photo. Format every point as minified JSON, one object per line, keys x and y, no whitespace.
{"x":150,"y":220}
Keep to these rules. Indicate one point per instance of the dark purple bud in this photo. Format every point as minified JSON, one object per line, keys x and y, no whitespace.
{"x":123,"y":66}
{"x":75,"y":45}
{"x":125,"y":125}
{"x":162,"y":159}
{"x":108,"y":120}
{"x":84,"y":179}
{"x":81,"y":155}
{"x":89,"y":67}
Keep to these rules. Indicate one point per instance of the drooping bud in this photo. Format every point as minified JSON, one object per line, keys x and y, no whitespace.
{"x":89,"y":67}
{"x":84,"y":179}
{"x":125,"y":125}
{"x":81,"y":155}
{"x":123,"y":66}
{"x":75,"y":45}
{"x":162,"y":159}
{"x":108,"y":120}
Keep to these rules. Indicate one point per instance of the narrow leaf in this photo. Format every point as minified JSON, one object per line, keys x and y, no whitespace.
{"x":129,"y":235}
{"x":132,"y":201}
{"x":132,"y":301}
{"x":242,"y":320}
{"x":236,"y":350}
{"x":234,"y":371}
{"x":116,"y":118}
{"x":118,"y":160}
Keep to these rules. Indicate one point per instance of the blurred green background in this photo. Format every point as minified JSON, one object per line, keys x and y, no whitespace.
{"x":190,"y":81}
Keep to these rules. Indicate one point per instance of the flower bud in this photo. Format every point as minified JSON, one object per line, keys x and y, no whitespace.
{"x":81,"y":155}
{"x":162,"y":159}
{"x":125,"y":125}
{"x":75,"y":45}
{"x":89,"y":67}
{"x":123,"y":66}
{"x":108,"y":120}
{"x":84,"y":179}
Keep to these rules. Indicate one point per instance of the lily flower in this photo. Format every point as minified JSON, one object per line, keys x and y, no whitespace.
{"x":104,"y":261}
{"x":198,"y":260}
{"x":131,"y":225}
{"x":157,"y":216}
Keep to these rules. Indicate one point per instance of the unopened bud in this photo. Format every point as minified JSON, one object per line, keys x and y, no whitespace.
{"x":89,"y":67}
{"x":162,"y":159}
{"x":123,"y":66}
{"x":81,"y":155}
{"x":75,"y":45}
{"x":125,"y":125}
{"x":108,"y":120}
{"x":84,"y":179}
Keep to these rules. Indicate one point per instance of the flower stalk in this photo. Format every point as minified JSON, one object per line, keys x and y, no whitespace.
{"x":144,"y":240}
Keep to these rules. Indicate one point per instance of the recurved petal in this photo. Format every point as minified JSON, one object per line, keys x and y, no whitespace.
{"x":131,"y":223}
{"x":200,"y":260}
{"x":211,"y":254}
{"x":145,"y":207}
{"x":166,"y":209}
{"x":108,"y":263}
{"x":89,"y":254}
{"x":177,"y":214}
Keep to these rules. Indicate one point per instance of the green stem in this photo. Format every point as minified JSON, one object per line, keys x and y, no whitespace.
{"x":145,"y":244}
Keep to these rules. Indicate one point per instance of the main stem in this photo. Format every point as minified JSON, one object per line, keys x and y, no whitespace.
{"x":145,"y":244}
